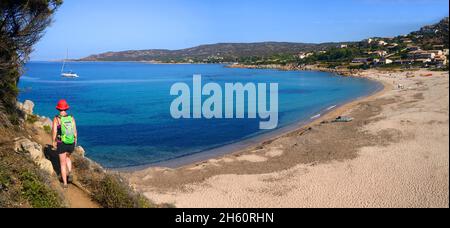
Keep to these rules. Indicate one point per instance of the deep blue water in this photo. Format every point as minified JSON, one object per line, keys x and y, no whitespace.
{"x":123,"y":109}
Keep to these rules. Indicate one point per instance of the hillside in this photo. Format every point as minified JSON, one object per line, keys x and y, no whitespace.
{"x":436,"y":34}
{"x":425,"y":48}
{"x":285,"y":53}
{"x":219,"y":52}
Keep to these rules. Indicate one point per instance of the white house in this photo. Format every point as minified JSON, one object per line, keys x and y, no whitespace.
{"x":382,"y":43}
{"x":380,"y":53}
{"x":387,"y":61}
{"x":416,"y":55}
{"x":437,"y":52}
{"x":445,"y":51}
{"x":301,"y":55}
{"x":360,"y":60}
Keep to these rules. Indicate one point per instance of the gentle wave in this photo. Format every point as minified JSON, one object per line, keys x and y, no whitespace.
{"x":332,"y":107}
{"x":316,"y":116}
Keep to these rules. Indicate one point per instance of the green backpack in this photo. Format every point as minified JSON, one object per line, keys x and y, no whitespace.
{"x":67,"y":130}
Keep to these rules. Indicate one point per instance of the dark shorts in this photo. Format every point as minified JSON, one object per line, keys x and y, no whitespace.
{"x":65,"y":148}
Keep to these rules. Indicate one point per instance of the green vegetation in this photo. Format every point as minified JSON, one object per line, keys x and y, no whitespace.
{"x":109,"y":190}
{"x":48,"y":129}
{"x":32,"y":119}
{"x":22,"y":23}
{"x":112,"y":192}
{"x":22,"y":184}
{"x":37,"y":193}
{"x":214,"y":53}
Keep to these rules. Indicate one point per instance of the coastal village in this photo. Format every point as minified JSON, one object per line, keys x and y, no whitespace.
{"x":388,"y":53}
{"x":421,"y":49}
{"x":426,"y":48}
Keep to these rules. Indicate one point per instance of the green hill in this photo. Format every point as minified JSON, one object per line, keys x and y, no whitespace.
{"x":222,"y":52}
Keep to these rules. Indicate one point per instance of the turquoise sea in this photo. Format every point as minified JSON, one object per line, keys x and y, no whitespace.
{"x":123,"y":109}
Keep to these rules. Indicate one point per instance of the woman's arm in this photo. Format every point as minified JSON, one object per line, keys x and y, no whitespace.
{"x":54,"y":132}
{"x":75,"y":132}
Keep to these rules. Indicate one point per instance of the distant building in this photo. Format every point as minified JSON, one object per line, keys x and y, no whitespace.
{"x":344,"y":46}
{"x":406,"y":40}
{"x":424,"y":60}
{"x":302,"y":55}
{"x":441,"y":60}
{"x":392,"y":45}
{"x":360,"y":60}
{"x":403,"y":61}
{"x":380,"y":53}
{"x":386,"y":61}
{"x":382,"y":43}
{"x":445,"y":51}
{"x":415,"y":55}
{"x":440,"y":46}
{"x":413,"y":48}
{"x":437,"y":52}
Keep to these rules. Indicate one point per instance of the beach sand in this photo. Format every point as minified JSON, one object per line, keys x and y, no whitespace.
{"x":394,"y":154}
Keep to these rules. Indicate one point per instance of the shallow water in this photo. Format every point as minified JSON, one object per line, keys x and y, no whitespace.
{"x":123,"y":109}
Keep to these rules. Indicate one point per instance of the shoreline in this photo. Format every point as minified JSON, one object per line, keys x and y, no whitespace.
{"x":396,"y":146}
{"x":253,"y":142}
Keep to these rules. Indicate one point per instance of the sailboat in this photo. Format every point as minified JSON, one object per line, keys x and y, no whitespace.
{"x":68,"y":74}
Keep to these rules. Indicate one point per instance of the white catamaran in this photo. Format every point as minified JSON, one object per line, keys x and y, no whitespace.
{"x":68,"y":74}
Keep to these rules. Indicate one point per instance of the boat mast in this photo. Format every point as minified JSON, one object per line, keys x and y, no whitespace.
{"x":64,"y":61}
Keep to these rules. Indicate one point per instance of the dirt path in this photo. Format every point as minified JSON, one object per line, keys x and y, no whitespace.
{"x":78,"y":198}
{"x":74,"y":196}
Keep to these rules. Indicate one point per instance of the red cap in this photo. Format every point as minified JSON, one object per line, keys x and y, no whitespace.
{"x":62,"y":105}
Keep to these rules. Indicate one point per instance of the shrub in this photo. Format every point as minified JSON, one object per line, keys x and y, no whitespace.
{"x":112,"y":192}
{"x":38,"y":194}
{"x":32,"y":119}
{"x":47,"y":129}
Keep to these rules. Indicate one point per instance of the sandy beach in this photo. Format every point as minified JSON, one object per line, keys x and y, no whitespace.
{"x":394,"y":153}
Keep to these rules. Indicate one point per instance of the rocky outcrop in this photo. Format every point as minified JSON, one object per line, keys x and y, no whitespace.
{"x":42,"y":122}
{"x":80,"y":151}
{"x":26,"y":107}
{"x":35,"y":152}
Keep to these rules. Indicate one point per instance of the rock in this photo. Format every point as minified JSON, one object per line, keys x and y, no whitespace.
{"x":46,"y":165}
{"x":19,"y":105}
{"x":28,"y":107}
{"x":46,"y":121}
{"x":34,"y":150}
{"x":80,"y":151}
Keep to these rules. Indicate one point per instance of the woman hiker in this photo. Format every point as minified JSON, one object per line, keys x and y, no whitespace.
{"x":64,"y":136}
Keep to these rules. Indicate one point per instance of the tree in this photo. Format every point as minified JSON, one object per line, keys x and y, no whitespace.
{"x":22,"y":23}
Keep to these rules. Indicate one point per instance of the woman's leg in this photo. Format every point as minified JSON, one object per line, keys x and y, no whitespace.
{"x":69,"y":163}
{"x":63,"y":164}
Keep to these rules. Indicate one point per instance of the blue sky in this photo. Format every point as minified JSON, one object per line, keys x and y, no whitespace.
{"x":93,"y":26}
